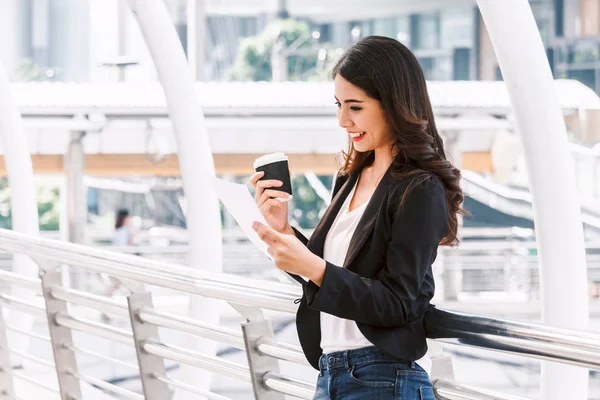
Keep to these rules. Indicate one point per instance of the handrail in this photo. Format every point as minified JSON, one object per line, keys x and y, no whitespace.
{"x":532,"y":340}
{"x":102,"y":330}
{"x":288,"y":386}
{"x":180,"y":385}
{"x":270,"y":295}
{"x":33,"y":284}
{"x":188,"y":325}
{"x":446,"y":389}
{"x":71,"y":253}
{"x":528,"y":342}
{"x":213,"y":364}
{"x":124,"y":393}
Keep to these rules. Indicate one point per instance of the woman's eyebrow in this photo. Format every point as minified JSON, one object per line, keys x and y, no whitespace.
{"x":350,"y":100}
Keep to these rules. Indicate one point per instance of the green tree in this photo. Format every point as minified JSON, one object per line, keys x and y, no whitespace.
{"x":253,"y":62}
{"x":48,"y":206}
{"x":28,"y":71}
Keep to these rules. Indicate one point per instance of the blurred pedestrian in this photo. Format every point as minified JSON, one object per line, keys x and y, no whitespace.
{"x":122,"y":236}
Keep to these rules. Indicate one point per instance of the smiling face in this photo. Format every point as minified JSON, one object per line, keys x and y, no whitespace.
{"x":362,"y":117}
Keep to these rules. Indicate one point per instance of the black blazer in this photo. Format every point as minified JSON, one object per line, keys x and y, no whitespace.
{"x":387,"y":281}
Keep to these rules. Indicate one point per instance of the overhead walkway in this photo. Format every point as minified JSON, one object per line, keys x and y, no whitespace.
{"x":128,"y":130}
{"x":257,"y":302}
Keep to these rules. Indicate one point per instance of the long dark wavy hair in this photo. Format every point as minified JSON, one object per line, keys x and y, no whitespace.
{"x":388,"y":71}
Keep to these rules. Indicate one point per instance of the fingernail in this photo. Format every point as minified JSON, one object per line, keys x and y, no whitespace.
{"x":255,"y":225}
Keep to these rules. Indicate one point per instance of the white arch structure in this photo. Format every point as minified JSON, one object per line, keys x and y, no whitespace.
{"x":23,"y":201}
{"x":196,"y":163}
{"x":557,"y":216}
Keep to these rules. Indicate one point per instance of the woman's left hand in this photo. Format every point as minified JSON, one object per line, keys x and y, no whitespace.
{"x":290,"y":254}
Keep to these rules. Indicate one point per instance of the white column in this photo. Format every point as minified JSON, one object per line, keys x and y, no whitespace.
{"x":9,"y":28}
{"x":122,"y":43}
{"x":74,"y":165}
{"x":196,"y":29}
{"x":23,"y":200}
{"x":195,"y":159}
{"x":557,"y":215}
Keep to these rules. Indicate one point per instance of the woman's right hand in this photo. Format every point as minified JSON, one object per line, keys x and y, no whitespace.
{"x":269,"y":203}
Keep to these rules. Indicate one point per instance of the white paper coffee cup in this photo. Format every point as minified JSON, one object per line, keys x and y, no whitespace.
{"x":275,"y":166}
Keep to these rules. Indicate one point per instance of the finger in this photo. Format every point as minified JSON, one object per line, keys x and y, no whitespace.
{"x":272,"y":194}
{"x":254,"y":178}
{"x":267,"y":207}
{"x":261,"y":185}
{"x":269,"y":183}
{"x":266,"y":234}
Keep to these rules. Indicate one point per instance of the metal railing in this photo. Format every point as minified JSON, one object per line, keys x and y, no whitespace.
{"x":256,"y":337}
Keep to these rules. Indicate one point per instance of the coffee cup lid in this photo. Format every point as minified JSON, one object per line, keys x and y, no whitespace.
{"x":269,"y":158}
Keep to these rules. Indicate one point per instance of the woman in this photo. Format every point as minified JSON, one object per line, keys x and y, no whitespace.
{"x":123,"y":235}
{"x":368,"y":262}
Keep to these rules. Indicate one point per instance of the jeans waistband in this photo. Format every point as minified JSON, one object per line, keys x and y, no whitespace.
{"x":349,"y":358}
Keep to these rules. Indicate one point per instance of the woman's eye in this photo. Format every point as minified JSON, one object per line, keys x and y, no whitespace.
{"x":355,"y":108}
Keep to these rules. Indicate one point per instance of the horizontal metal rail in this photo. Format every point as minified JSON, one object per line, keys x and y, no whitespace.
{"x":446,"y":389}
{"x":531,"y":340}
{"x":33,"y":284}
{"x":95,"y":328}
{"x":208,"y":363}
{"x":191,"y":389}
{"x":9,"y":301}
{"x":30,"y":334}
{"x":79,"y":350}
{"x":87,"y":257}
{"x":286,"y":385}
{"x":284,"y":351}
{"x":100,"y":303}
{"x":21,"y":375}
{"x":187,"y":325}
{"x":127,"y":394}
{"x":37,"y":360}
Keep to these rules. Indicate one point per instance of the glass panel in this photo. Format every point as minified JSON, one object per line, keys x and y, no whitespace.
{"x":427,"y":31}
{"x":457,"y":26}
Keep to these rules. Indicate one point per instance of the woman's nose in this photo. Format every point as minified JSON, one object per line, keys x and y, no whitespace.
{"x":344,"y":120}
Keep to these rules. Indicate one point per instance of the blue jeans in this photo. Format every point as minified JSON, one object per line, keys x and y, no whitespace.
{"x":368,"y":373}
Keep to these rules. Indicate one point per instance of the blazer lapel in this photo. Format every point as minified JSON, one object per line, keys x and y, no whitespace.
{"x":317,"y":239}
{"x":367,"y":222}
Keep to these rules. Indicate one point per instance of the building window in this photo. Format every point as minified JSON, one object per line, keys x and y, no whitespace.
{"x":456,"y":28}
{"x":559,"y":18}
{"x":425,"y":31}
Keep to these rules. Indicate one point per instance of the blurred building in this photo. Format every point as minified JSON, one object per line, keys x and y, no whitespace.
{"x":96,"y":40}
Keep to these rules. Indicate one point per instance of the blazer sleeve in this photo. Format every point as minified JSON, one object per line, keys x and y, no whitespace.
{"x":416,"y":231}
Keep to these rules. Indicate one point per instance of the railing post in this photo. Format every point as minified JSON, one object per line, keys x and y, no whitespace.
{"x":150,"y":365}
{"x":61,"y":337}
{"x":441,"y":366}
{"x":258,"y":330}
{"x":7,"y":388}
